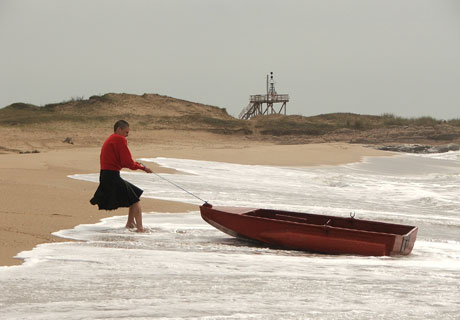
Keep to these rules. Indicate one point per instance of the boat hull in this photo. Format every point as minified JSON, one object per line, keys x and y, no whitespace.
{"x":314,"y":233}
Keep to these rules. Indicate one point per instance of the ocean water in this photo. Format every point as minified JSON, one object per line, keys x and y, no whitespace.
{"x":185,"y":269}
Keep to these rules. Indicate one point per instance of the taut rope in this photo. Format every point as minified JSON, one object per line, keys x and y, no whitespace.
{"x":176,"y":185}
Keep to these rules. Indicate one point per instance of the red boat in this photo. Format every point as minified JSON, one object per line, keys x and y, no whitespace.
{"x":312,"y":232}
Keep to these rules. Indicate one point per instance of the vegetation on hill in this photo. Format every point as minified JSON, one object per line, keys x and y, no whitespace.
{"x":149,"y":111}
{"x":157,"y":112}
{"x":279,"y":125}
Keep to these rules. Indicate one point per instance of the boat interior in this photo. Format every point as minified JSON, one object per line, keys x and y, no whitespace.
{"x":331,"y":221}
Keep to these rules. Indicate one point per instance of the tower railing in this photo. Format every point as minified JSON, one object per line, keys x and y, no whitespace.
{"x":263,"y":98}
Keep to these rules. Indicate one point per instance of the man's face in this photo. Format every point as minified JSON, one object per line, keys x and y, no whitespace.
{"x":123,"y":132}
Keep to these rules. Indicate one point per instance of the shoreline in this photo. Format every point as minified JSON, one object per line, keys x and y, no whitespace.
{"x":40,"y":198}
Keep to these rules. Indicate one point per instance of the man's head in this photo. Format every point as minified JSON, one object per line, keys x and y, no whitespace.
{"x":121,"y":127}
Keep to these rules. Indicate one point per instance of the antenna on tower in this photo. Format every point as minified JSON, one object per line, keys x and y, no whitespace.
{"x":272,"y":85}
{"x":267,"y":83}
{"x":255,"y":106}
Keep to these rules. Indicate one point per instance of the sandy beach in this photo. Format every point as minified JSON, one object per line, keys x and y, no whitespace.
{"x":38,"y":198}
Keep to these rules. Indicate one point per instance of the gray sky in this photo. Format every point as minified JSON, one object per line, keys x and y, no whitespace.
{"x":360,"y":56}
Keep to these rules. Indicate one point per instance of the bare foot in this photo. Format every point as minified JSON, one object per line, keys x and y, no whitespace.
{"x":130,"y":225}
{"x":141,"y":229}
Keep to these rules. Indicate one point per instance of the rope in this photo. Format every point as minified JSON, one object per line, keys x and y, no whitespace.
{"x":176,"y":185}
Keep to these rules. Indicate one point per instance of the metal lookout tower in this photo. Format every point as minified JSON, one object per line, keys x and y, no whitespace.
{"x":256,"y":102}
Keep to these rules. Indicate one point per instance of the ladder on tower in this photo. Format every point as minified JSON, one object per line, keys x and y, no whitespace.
{"x":247,"y":112}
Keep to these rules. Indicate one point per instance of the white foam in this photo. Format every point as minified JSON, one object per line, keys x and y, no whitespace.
{"x":185,"y":269}
{"x":450,"y":156}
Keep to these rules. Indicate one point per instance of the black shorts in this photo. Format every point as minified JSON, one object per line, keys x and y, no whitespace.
{"x":114,"y":192}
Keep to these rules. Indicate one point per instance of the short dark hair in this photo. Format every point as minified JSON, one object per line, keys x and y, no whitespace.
{"x":122,"y":124}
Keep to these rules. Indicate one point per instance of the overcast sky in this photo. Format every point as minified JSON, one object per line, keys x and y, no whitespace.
{"x":360,"y":56}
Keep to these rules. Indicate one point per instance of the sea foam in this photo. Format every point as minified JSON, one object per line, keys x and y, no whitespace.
{"x":185,"y":269}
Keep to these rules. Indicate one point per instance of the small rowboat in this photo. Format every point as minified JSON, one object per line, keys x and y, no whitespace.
{"x":312,"y":232}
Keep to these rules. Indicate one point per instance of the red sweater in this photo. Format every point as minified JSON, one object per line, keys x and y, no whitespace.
{"x":115,"y":154}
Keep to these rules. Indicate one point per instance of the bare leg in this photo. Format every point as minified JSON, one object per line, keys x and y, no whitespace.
{"x":135,"y":212}
{"x":130,"y":223}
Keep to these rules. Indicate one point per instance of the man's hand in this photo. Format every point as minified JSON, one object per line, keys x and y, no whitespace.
{"x":145,"y":168}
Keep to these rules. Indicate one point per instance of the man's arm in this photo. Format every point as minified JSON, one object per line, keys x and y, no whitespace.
{"x":126,"y":159}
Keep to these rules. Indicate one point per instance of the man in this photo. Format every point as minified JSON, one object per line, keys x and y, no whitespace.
{"x":114,"y":192}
